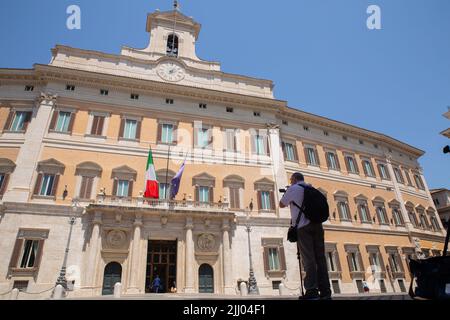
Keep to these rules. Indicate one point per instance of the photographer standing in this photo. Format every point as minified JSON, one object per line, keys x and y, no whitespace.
{"x":310,"y":243}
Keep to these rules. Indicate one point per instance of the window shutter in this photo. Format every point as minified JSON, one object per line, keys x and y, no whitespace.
{"x":40,"y":252}
{"x":379,"y":171}
{"x":282,"y":259}
{"x":272,"y":200}
{"x":89,"y":188}
{"x":210,"y":137}
{"x":94,"y":129}
{"x":130,"y":188}
{"x":72,"y":121}
{"x":27,"y":120}
{"x":122,"y":128}
{"x":337,"y":260}
{"x":234,"y":141}
{"x":347,"y":164}
{"x":295,"y":152}
{"x":101,"y":123}
{"x":349,"y":261}
{"x":159,"y":133}
{"x":253,"y":143}
{"x":259,"y":200}
{"x":317,"y":157}
{"x":9,"y":120}
{"x":267,"y":146}
{"x":4,"y":184}
{"x":196,"y":137}
{"x":399,"y":262}
{"x":138,"y":130}
{"x":55,"y":184}
{"x":15,"y":254}
{"x":37,"y":186}
{"x":211,"y":194}
{"x":266,"y":260}
{"x":283,"y":147}
{"x":361,"y":264}
{"x":197,"y":194}
{"x":83,"y":187}
{"x":308,"y":160}
{"x":327,"y":156}
{"x":364,"y":168}
{"x":338,"y":163}
{"x":115,"y":183}
{"x":54,"y":118}
{"x":175,"y":134}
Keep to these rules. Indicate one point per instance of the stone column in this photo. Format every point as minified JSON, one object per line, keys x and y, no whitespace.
{"x":189,"y":279}
{"x":92,"y":265}
{"x":279,"y":170}
{"x":226,"y":259}
{"x":398,"y":195}
{"x":133,"y":286}
{"x":20,"y":185}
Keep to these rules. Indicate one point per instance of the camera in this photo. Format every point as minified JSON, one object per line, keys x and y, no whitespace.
{"x":283,"y":190}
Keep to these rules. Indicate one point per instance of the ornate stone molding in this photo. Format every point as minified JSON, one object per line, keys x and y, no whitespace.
{"x":47,"y":97}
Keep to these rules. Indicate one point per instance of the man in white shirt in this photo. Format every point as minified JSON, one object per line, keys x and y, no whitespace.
{"x":311,"y":243}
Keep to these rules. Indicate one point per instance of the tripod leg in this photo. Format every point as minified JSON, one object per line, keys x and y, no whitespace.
{"x":301,"y":274}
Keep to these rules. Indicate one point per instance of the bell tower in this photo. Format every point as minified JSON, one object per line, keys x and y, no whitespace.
{"x":172,"y":34}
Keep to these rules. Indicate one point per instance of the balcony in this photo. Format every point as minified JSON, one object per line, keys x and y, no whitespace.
{"x":160,"y":204}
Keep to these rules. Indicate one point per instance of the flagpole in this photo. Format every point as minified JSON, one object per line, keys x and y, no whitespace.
{"x":167,"y":174}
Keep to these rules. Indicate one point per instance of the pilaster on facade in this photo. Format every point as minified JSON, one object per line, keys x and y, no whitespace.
{"x":133,"y":287}
{"x":227,"y":258}
{"x":21,"y":179}
{"x":189,"y":278}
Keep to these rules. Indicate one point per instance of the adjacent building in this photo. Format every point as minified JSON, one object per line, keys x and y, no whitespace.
{"x":73,"y":154}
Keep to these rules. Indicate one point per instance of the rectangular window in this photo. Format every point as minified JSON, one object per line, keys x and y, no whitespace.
{"x":97,"y":125}
{"x":382,"y":218}
{"x":29,"y":254}
{"x":354,"y":261}
{"x":257,"y":114}
{"x":260,"y":144}
{"x":412,"y":218}
{"x":21,"y":285}
{"x":397,"y":217}
{"x":230,"y":110}
{"x":29,"y":88}
{"x":104,"y":92}
{"x":234,"y":198}
{"x":130,"y":129}
{"x":408,"y":178}
{"x":344,"y":211}
{"x":167,"y":133}
{"x":169,"y":101}
{"x":202,"y":106}
{"x":164,"y":191}
{"x":368,"y":169}
{"x":376,"y":263}
{"x":63,"y":121}
{"x":290,"y":151}
{"x":435,"y":224}
{"x":86,"y":187}
{"x":364,"y":212}
{"x":122,"y":188}
{"x":424,"y":221}
{"x":70,"y":87}
{"x":2,"y":181}
{"x":311,"y":156}
{"x":419,"y":182}
{"x":47,"y":185}
{"x":230,"y":140}
{"x":335,"y":285}
{"x":265,"y":200}
{"x":203,"y":194}
{"x":330,"y":261}
{"x":332,"y":161}
{"x":398,"y":175}
{"x":394,"y":264}
{"x":134,"y":96}
{"x":20,"y":121}
{"x":274,"y":260}
{"x":383,"y":171}
{"x":203,"y":137}
{"x":351,"y":164}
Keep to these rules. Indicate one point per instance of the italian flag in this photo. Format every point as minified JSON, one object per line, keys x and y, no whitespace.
{"x":151,"y":186}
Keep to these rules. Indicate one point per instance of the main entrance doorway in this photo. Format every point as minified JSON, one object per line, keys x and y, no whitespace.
{"x":112,"y":275}
{"x":162,"y":262}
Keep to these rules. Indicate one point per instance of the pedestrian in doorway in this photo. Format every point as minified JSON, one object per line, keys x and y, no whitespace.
{"x":156,"y":285}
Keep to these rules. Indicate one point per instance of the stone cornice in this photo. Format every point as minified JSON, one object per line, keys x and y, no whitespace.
{"x":303,"y":116}
{"x":93,"y":79}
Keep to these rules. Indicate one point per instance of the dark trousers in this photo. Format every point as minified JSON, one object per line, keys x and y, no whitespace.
{"x":311,"y":244}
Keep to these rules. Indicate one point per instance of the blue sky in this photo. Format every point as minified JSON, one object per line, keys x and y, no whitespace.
{"x":319,"y":53}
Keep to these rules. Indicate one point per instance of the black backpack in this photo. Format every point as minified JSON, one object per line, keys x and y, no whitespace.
{"x":315,"y":205}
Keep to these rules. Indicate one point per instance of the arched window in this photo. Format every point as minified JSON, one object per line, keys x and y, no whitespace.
{"x":172,"y":45}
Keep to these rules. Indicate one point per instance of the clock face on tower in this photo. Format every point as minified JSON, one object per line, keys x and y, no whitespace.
{"x":171,"y":71}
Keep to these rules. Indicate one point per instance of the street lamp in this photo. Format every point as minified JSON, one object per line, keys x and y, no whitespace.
{"x":62,"y":274}
{"x":252,"y":285}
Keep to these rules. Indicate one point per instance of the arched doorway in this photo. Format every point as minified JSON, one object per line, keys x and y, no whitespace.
{"x":205,"y":279}
{"x":112,"y":275}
